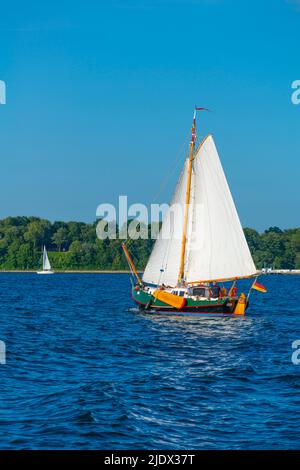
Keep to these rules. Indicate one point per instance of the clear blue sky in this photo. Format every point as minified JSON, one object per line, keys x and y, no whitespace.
{"x":100,"y":96}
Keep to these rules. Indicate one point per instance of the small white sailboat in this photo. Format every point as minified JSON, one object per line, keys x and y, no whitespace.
{"x":46,"y":264}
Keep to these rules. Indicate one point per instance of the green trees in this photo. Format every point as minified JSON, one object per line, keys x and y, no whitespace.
{"x":74,"y":245}
{"x":60,"y":237}
{"x":37,"y":232}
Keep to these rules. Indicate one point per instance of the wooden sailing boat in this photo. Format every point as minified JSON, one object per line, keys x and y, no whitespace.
{"x":183,"y":272}
{"x":46,"y":264}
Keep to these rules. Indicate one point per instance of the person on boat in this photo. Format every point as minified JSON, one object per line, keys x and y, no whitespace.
{"x":223,"y":292}
{"x":233,"y":291}
{"x":215,"y":290}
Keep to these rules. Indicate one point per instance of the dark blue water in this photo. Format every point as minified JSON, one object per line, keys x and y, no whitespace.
{"x":82,"y":372}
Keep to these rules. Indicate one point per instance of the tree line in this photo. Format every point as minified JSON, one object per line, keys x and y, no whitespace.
{"x":74,"y":245}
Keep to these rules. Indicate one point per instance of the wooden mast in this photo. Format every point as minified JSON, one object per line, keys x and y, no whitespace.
{"x":187,"y":201}
{"x":131,"y":263}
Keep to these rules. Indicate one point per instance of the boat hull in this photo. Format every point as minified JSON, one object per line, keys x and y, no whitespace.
{"x":45,"y":272}
{"x":191,"y":314}
{"x":207,"y":307}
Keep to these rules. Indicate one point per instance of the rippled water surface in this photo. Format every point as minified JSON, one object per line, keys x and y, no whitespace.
{"x":84,"y":372}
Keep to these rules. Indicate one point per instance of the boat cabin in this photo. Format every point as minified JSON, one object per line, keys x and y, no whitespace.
{"x":179,"y":292}
{"x":203,"y":292}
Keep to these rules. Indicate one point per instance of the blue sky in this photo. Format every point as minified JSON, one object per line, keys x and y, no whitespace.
{"x":100,"y":97}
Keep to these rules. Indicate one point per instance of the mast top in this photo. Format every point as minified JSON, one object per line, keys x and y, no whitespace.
{"x":194,"y":123}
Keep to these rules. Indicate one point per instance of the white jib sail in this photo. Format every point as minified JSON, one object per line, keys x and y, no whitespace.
{"x":46,"y":262}
{"x":164,"y":261}
{"x":216,"y":246}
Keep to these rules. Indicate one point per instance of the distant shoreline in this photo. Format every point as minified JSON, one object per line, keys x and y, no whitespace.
{"x":70,"y":271}
{"x":126,"y":271}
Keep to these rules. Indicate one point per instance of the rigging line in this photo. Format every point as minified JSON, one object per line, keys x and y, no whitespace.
{"x":166,"y":179}
{"x":168,"y":176}
{"x":128,"y":242}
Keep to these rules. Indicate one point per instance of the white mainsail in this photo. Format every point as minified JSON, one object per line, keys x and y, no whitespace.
{"x":216,"y":246}
{"x":46,"y":262}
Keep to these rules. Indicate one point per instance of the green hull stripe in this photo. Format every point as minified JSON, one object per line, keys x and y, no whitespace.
{"x":144,"y":298}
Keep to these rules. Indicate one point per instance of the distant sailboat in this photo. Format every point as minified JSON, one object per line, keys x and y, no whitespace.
{"x":46,"y":264}
{"x":183,"y":272}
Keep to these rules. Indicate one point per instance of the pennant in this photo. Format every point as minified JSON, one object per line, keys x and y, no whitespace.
{"x":260,"y":287}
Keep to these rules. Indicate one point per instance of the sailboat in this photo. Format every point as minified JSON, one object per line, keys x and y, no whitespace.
{"x":46,"y":264}
{"x":188,"y":271}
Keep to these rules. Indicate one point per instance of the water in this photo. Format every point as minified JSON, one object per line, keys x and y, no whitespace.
{"x":83,"y":372}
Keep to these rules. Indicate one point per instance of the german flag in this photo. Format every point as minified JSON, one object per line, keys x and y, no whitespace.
{"x":259,"y":287}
